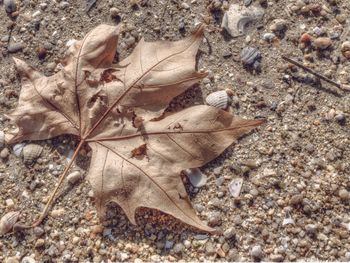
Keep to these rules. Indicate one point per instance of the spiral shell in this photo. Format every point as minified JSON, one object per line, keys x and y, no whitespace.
{"x":219,"y":99}
{"x":31,"y":152}
{"x":8,"y":221}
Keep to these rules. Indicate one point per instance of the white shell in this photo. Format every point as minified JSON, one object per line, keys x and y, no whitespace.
{"x":31,"y":152}
{"x":196,"y":177}
{"x":235,"y":186}
{"x":8,"y":221}
{"x":218,"y":99}
{"x":2,"y":138}
{"x":238,"y":17}
{"x":288,"y":221}
{"x":17,"y":149}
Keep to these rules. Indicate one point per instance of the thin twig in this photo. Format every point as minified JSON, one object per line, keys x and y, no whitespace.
{"x":339,"y":86}
{"x":63,"y":175}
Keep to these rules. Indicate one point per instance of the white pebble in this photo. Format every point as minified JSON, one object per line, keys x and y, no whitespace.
{"x":2,"y":138}
{"x":74,"y":177}
{"x":257,"y":252}
{"x":10,"y":203}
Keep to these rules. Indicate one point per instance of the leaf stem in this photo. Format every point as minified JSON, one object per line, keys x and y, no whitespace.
{"x":62,"y":177}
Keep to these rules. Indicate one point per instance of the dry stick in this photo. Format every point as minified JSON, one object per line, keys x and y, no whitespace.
{"x":63,"y":175}
{"x":313,"y":72}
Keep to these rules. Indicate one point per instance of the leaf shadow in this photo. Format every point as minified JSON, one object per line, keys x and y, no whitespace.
{"x":152,"y":225}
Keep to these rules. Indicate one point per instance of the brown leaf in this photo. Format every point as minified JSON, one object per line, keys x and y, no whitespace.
{"x":138,"y":152}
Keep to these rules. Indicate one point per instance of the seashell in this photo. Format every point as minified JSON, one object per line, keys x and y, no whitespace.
{"x":235,"y":186}
{"x":18,"y":148}
{"x":237,"y":18}
{"x":31,"y":152}
{"x":8,"y":221}
{"x":2,"y":138}
{"x":249,"y":55}
{"x":10,"y":6}
{"x":219,"y":99}
{"x":196,"y":177}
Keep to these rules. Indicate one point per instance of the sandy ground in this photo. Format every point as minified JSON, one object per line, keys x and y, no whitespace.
{"x":294,"y":203}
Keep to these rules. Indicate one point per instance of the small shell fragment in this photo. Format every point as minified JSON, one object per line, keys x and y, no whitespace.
{"x":237,"y":18}
{"x":196,"y":177}
{"x":8,"y":221}
{"x":218,"y":99}
{"x":31,"y":152}
{"x":249,"y":55}
{"x":288,"y":221}
{"x":235,"y":187}
{"x":17,"y":149}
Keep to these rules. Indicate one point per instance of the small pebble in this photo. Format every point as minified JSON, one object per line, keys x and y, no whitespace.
{"x":10,"y":6}
{"x":276,"y":258}
{"x":41,"y":51}
{"x":168,"y":244}
{"x":63,"y":5}
{"x":38,"y":231}
{"x":340,"y":117}
{"x":178,"y":248}
{"x":114,"y":12}
{"x":58,"y":212}
{"x":344,"y":194}
{"x":39,"y":243}
{"x":256,"y":252}
{"x":229,"y":233}
{"x":296,"y":199}
{"x":28,"y":260}
{"x":129,"y":40}
{"x":11,"y":260}
{"x":278,"y":25}
{"x":268,"y":37}
{"x":209,"y":249}
{"x":97,"y":229}
{"x":184,"y":5}
{"x":2,"y":138}
{"x":322,"y":42}
{"x":9,"y":203}
{"x":214,"y":218}
{"x":305,"y":38}
{"x":74,"y":177}
{"x":311,"y":229}
{"x":4,"y":154}
{"x":15,"y":47}
{"x":318,"y":31}
{"x":345,"y":49}
{"x":196,"y":177}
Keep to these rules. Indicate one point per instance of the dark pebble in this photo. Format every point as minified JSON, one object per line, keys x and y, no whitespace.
{"x":10,"y":6}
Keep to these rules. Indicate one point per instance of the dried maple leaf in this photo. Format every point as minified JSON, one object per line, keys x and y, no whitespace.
{"x":138,"y":151}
